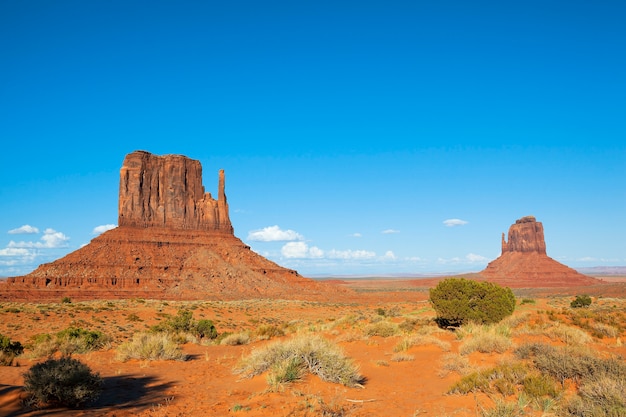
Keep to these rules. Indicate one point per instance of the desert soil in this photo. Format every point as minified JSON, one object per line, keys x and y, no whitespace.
{"x":205,"y":384}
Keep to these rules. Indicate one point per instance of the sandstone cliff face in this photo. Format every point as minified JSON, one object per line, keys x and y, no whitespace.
{"x":166,"y":191}
{"x":526,"y":235}
{"x":525,"y":264}
{"x":174,"y":241}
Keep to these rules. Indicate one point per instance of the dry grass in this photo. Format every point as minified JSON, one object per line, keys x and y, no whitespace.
{"x":487,"y":339}
{"x":301,"y":353}
{"x":151,"y":346}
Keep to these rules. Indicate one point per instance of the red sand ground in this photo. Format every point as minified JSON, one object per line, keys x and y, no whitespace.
{"x":206,"y":385}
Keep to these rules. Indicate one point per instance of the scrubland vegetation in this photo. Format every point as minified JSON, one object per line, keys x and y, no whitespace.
{"x":540,"y":358}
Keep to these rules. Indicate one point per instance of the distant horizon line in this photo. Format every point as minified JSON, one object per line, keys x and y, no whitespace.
{"x":598,"y":270}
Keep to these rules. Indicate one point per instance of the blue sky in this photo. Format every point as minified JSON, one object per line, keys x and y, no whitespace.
{"x":361,"y":137}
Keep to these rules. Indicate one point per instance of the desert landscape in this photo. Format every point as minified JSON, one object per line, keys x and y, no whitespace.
{"x":178,"y":317}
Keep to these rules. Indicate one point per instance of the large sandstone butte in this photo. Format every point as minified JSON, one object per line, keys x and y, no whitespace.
{"x":173,"y":241}
{"x":525,"y":264}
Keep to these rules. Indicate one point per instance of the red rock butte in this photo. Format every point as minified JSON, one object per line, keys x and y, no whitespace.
{"x":173,"y":241}
{"x":525,"y":264}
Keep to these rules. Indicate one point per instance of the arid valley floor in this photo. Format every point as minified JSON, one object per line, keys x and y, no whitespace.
{"x":385,"y":327}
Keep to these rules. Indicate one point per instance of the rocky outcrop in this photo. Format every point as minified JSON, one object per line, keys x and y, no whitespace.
{"x":526,"y":235}
{"x":167,"y":191}
{"x":524,"y":262}
{"x":174,"y":241}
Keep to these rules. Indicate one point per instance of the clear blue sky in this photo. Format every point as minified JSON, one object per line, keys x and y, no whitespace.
{"x":350,"y":132}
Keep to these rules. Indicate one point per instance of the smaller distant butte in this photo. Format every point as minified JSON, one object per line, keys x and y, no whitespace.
{"x":525,"y":264}
{"x":174,"y":241}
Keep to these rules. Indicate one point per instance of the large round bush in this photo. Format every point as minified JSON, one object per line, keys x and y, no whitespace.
{"x":64,"y":381}
{"x":458,"y":301}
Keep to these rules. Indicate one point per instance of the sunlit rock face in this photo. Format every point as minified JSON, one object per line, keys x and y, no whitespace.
{"x":167,"y":191}
{"x":525,"y":264}
{"x":173,"y":241}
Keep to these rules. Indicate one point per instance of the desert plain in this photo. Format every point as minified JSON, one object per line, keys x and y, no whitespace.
{"x":408,"y":364}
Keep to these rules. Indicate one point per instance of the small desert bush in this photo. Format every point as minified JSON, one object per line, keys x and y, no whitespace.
{"x":381,"y":328}
{"x":453,"y":362}
{"x":65,"y":381}
{"x":487,"y":339}
{"x":9,"y":350}
{"x":183,"y":324}
{"x":457,"y":301}
{"x":568,"y":335}
{"x":601,"y":397}
{"x":581,"y":301}
{"x":601,"y":330}
{"x":515,"y":320}
{"x":402,"y":357}
{"x":285,"y":372}
{"x":571,"y":363}
{"x":308,"y":353}
{"x":502,"y":409}
{"x":268,"y":331}
{"x":68,"y":341}
{"x":421,"y":340}
{"x":537,"y":385}
{"x":151,"y":346}
{"x":234,"y":339}
{"x":503,"y":379}
{"x":77,"y":340}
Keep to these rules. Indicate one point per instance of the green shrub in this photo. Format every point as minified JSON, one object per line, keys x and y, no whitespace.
{"x":75,"y":339}
{"x":64,"y":381}
{"x":7,"y":346}
{"x":68,"y":341}
{"x":458,"y":301}
{"x":183,"y":323}
{"x":205,"y":329}
{"x":9,"y":350}
{"x":540,"y":385}
{"x":581,"y":301}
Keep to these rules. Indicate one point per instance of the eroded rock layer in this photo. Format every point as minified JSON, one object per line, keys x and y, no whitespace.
{"x":167,"y":191}
{"x":165,"y":263}
{"x":173,"y":241}
{"x":525,"y":264}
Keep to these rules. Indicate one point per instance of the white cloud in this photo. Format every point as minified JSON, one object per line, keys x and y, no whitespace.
{"x":389,"y":231}
{"x":273,"y":234}
{"x":389,"y":255}
{"x":26,"y":229}
{"x":15,"y":252}
{"x":103,"y":228}
{"x":472,"y":257}
{"x":16,"y":256}
{"x":301,"y":250}
{"x":454,"y":222}
{"x":356,"y":235}
{"x":51,"y":239}
{"x":350,"y":254}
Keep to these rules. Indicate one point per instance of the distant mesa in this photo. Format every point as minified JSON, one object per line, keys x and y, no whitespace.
{"x":173,"y":241}
{"x":524,"y":262}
